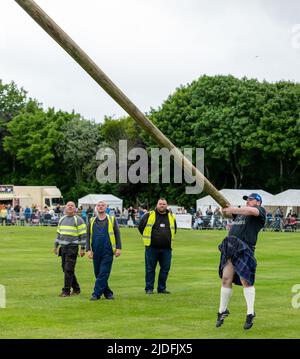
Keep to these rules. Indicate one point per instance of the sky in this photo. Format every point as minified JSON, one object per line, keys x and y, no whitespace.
{"x":147,"y":47}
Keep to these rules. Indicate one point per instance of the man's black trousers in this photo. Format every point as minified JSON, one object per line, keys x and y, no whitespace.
{"x":68,"y":260}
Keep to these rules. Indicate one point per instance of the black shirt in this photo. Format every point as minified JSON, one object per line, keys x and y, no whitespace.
{"x":161,"y":232}
{"x":246,"y":228}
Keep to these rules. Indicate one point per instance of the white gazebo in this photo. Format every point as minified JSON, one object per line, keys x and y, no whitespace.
{"x":235,"y":198}
{"x":93,"y":199}
{"x":287,"y":200}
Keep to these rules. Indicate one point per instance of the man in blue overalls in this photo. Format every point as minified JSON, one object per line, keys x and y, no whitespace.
{"x":103,"y":243}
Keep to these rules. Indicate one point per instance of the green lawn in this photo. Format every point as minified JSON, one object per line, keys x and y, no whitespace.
{"x":33,"y":280}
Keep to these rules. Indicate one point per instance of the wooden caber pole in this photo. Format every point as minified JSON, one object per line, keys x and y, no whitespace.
{"x":105,"y":82}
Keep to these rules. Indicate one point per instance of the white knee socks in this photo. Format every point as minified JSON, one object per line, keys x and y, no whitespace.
{"x":224,"y":298}
{"x":249,"y":294}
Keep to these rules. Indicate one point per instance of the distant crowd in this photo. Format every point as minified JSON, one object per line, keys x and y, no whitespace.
{"x":34,"y":216}
{"x":29,"y":215}
{"x":278,"y":222}
{"x":131,"y":216}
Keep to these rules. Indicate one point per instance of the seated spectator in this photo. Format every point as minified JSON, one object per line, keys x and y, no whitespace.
{"x":191,"y":211}
{"x":198,"y":220}
{"x":278,"y":213}
{"x":112,"y":212}
{"x":47,"y":217}
{"x":35,"y":218}
{"x":293,"y":223}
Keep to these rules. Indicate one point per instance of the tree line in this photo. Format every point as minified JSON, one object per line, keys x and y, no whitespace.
{"x":249,"y":130}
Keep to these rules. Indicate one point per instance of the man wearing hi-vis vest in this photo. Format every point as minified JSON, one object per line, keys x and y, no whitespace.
{"x":103,"y":243}
{"x":158,"y":229}
{"x":71,"y":232}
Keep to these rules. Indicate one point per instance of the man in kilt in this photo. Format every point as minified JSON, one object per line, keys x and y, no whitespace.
{"x":237,"y":262}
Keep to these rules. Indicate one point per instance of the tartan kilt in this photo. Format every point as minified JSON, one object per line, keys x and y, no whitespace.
{"x":242,"y":259}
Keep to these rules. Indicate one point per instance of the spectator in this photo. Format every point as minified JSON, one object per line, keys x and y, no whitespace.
{"x":216,"y":218}
{"x":278,"y":213}
{"x":27,"y":213}
{"x":9,"y":216}
{"x":3,"y":214}
{"x":79,"y":211}
{"x":112,"y":212}
{"x":141,"y":212}
{"x":131,"y":214}
{"x":209,"y":211}
{"x":198,"y":220}
{"x":118,"y":212}
{"x":124,"y":217}
{"x":47,"y":217}
{"x":89,"y":212}
{"x":289,"y":215}
{"x":192,"y":211}
{"x":84,"y":215}
{"x":22,"y":216}
{"x":293,"y":223}
{"x":17,"y":210}
{"x":269,"y":218}
{"x":57,"y":209}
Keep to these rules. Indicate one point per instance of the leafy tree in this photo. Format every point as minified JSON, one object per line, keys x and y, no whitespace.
{"x":34,"y":135}
{"x":278,"y":133}
{"x":227,"y":116}
{"x":78,"y":146}
{"x":12,"y":101}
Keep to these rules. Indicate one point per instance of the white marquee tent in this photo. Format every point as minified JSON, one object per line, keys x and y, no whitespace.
{"x":93,"y":199}
{"x":235,"y":198}
{"x":287,"y":200}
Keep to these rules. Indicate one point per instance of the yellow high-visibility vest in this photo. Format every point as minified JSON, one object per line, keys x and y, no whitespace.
{"x":148,"y":228}
{"x":74,"y":231}
{"x":111,"y":233}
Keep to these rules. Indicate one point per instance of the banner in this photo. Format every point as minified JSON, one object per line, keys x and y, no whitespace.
{"x":184,"y":221}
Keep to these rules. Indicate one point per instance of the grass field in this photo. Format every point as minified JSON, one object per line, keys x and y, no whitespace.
{"x":33,"y":279}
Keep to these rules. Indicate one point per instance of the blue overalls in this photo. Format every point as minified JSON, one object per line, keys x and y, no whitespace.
{"x":102,"y":258}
